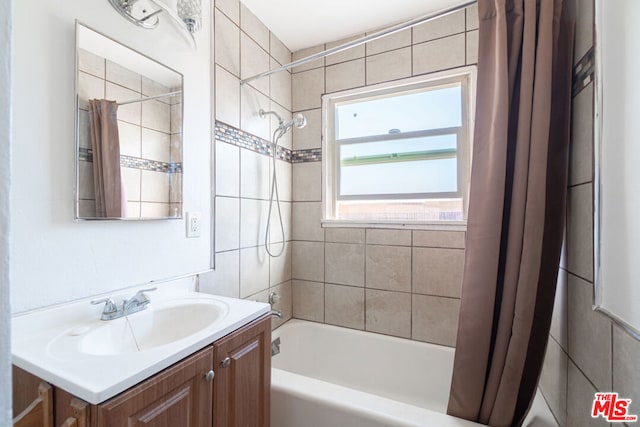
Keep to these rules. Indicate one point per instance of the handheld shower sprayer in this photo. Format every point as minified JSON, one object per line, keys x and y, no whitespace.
{"x":298,"y":121}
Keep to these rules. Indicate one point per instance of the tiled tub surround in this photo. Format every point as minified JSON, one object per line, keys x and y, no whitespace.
{"x":245,"y":47}
{"x":150,"y":139}
{"x":397,"y":282}
{"x":587,"y":352}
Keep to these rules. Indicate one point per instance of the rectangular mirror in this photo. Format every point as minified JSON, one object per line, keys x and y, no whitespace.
{"x":128,"y":132}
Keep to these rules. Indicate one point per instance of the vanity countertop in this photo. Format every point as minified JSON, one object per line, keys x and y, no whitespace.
{"x":71,"y":348}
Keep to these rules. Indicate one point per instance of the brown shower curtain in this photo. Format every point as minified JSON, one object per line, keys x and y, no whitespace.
{"x":516,"y":207}
{"x":107,"y":178}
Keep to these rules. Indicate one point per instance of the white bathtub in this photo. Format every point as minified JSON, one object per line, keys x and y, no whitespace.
{"x":327,"y":376}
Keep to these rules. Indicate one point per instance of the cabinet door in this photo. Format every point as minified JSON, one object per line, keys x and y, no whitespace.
{"x":179,"y":396}
{"x":243,"y":377}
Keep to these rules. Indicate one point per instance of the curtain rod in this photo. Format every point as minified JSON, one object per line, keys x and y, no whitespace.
{"x":374,"y":36}
{"x":149,"y":98}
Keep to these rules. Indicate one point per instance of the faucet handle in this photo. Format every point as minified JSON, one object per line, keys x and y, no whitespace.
{"x":140,"y":296}
{"x":109,"y":307}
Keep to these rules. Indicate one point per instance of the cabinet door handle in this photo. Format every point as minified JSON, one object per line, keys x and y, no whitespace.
{"x":226,"y":362}
{"x":209,"y":376}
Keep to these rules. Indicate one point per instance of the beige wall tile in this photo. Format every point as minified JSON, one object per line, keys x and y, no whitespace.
{"x":347,"y":55}
{"x":307,"y":89}
{"x":389,"y":267}
{"x":133,"y":210}
{"x":253,"y":222}
{"x":392,"y":65}
{"x":284,"y":171}
{"x":254,"y":175}
{"x":472,"y":17}
{"x":231,"y":8}
{"x":472,"y":47}
{"x":388,"y":313}
{"x":275,"y":235}
{"x":154,"y":210}
{"x":305,"y":53}
{"x":254,"y":28}
{"x":129,"y":113}
{"x":280,"y":266}
{"x":435,"y":319}
{"x":345,"y":75}
{"x":130,"y":139}
{"x":442,"y":27}
{"x":284,"y":305}
{"x":308,"y":261}
{"x":559,"y":323}
{"x":307,"y":182}
{"x":344,"y":235}
{"x":438,"y":271}
{"x":156,"y":115}
{"x":175,"y":194}
{"x":225,"y":279}
{"x":154,"y":187}
{"x":90,"y":87}
{"x":580,"y":231}
{"x":439,"y":239}
{"x":251,"y":101}
{"x":309,"y":136}
{"x":280,"y":87}
{"x":308,"y":300}
{"x":580,"y":394}
{"x":91,"y":63}
{"x":344,"y":306}
{"x":440,"y":54}
{"x":581,"y":147}
{"x":130,"y":182}
{"x":227,"y":171}
{"x":626,"y":375}
{"x":156,"y":145}
{"x":227,"y":97}
{"x":589,"y":334}
{"x":391,"y":42}
{"x":378,"y":236}
{"x":176,"y":118}
{"x":227,"y":44}
{"x":122,"y":76}
{"x":84,"y":129}
{"x":306,"y":221}
{"x":254,"y":60}
{"x":152,"y":88}
{"x":344,"y":264}
{"x":584,"y":28}
{"x":279,"y":51}
{"x":227,"y":225}
{"x":254,"y":271}
{"x":553,"y":380}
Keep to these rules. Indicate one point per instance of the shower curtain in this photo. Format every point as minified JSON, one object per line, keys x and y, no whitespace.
{"x":516,"y":208}
{"x":107,"y":178}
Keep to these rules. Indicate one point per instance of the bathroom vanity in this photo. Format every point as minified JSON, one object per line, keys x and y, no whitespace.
{"x":217,"y":375}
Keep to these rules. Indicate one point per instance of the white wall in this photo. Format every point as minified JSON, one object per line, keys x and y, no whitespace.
{"x":54,"y":258}
{"x":5,"y":132}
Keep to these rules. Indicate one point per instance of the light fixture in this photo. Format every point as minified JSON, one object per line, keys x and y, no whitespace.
{"x":144,"y":13}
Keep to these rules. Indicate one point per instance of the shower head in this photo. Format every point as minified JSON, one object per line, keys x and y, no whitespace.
{"x":299,"y":121}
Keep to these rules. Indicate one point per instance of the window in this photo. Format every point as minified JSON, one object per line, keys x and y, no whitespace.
{"x":399,"y":152}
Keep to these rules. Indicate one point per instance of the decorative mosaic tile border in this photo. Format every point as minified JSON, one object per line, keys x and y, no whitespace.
{"x":583,"y":72}
{"x":239,"y":138}
{"x":86,"y":154}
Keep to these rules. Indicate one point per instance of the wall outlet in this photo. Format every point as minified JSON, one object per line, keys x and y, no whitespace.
{"x":193,"y":224}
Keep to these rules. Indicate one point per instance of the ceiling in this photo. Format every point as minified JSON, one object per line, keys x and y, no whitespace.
{"x":304,"y":23}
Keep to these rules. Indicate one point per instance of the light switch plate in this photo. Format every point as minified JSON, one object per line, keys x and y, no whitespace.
{"x":193,"y":224}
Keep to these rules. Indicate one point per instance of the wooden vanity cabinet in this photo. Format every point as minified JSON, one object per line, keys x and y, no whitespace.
{"x":183,"y":395}
{"x":241,"y":388}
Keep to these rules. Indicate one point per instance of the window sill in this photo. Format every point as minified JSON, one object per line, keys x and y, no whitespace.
{"x":408,"y":225}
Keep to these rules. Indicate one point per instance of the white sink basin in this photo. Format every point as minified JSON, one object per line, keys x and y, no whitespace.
{"x":145,"y":330}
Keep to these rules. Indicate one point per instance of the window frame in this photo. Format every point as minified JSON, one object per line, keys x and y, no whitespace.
{"x":466,"y":76}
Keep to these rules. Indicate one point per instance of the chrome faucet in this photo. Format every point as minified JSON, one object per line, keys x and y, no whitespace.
{"x":273,"y":300}
{"x":129,"y":306}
